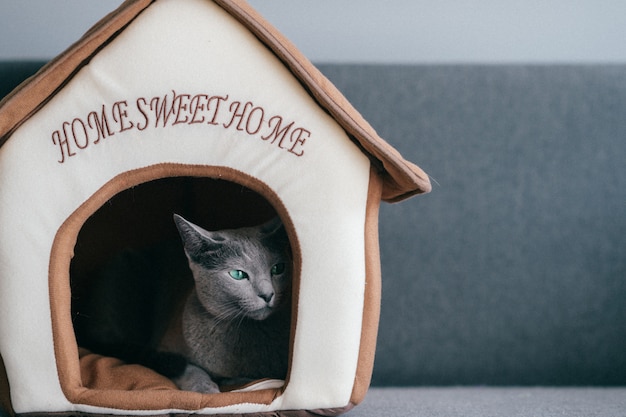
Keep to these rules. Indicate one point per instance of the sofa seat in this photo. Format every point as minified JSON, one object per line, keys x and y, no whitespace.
{"x":492,"y":402}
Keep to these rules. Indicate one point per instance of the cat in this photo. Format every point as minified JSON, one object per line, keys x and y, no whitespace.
{"x":214,"y":311}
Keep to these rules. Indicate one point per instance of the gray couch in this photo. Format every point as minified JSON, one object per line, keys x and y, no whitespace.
{"x":505,"y":288}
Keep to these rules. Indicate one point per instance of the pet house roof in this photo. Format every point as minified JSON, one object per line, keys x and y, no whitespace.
{"x":401,"y":178}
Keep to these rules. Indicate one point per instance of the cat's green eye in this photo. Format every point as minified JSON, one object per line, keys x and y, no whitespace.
{"x":278,"y":269}
{"x":238,"y":274}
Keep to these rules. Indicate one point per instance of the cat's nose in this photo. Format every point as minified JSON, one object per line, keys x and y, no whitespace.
{"x":267,"y":297}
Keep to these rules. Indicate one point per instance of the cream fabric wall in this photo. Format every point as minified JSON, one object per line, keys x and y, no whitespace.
{"x":57,"y":160}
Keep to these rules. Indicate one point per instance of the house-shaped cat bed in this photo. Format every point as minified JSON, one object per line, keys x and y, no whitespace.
{"x":199,"y":107}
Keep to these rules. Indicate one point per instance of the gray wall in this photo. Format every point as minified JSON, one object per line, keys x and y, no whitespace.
{"x":414,"y":31}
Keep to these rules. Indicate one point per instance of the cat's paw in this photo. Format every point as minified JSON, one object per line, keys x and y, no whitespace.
{"x":196,"y":379}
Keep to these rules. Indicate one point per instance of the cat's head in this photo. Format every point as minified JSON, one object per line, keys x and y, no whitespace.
{"x":239,"y":272}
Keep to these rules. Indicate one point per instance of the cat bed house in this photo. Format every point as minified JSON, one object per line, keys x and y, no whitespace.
{"x":200,"y":107}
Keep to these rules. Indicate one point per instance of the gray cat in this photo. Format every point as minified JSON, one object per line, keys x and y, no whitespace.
{"x":225,"y":323}
{"x":235,"y":322}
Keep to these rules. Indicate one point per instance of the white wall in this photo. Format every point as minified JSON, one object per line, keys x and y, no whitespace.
{"x":413,"y":31}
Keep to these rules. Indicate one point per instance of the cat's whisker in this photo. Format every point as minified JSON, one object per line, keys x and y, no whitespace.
{"x":229,"y":313}
{"x":241,"y":319}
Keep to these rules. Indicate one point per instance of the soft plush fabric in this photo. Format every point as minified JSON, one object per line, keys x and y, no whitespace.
{"x":187,"y":88}
{"x":191,"y":88}
{"x":513,"y":270}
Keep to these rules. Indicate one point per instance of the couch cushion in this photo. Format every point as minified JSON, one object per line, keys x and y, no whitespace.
{"x":513,"y":270}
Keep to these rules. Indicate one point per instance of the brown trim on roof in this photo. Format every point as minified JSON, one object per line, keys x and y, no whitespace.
{"x":401,"y":178}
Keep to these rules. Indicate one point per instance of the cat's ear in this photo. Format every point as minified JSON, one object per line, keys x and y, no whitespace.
{"x":195,"y":239}
{"x":273,"y":232}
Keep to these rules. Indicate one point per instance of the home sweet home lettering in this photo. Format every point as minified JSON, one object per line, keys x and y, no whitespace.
{"x":220,"y":111}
